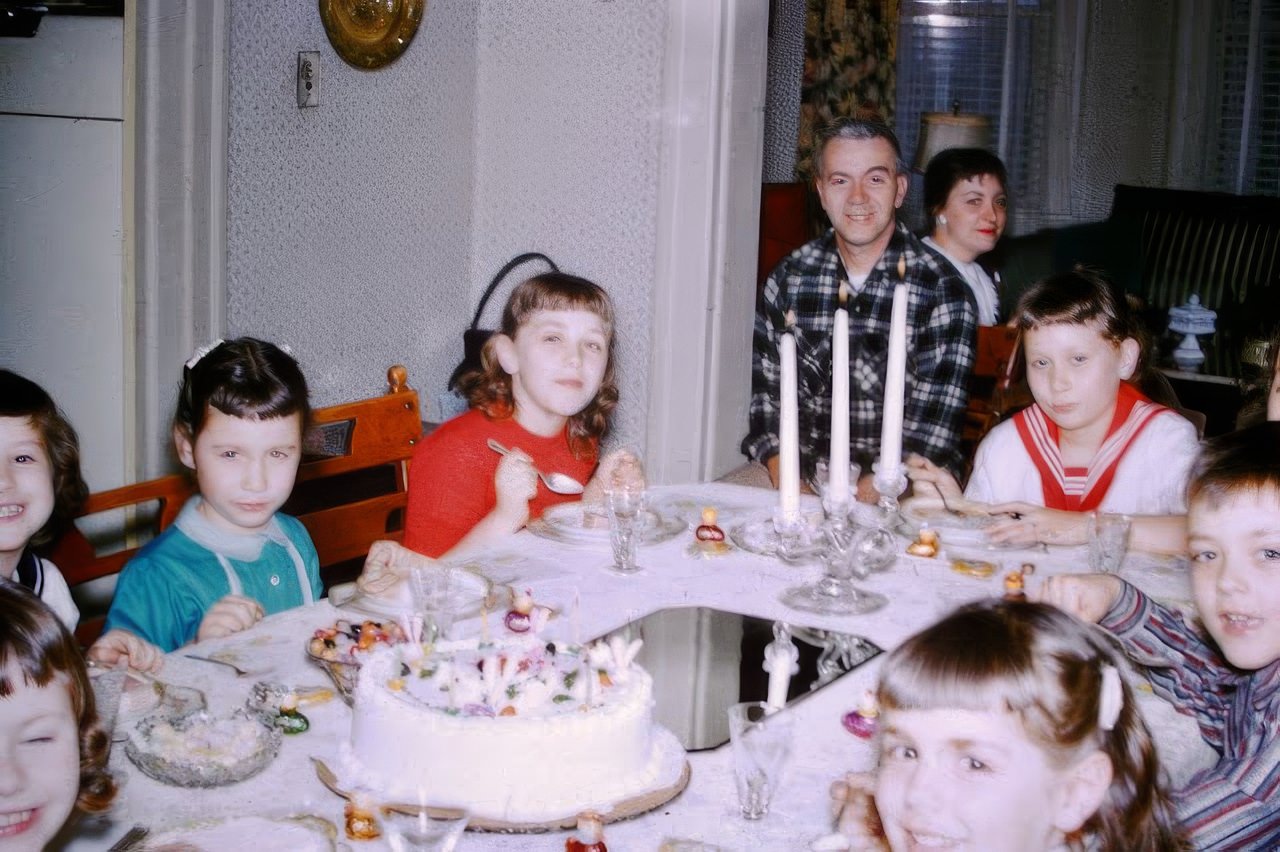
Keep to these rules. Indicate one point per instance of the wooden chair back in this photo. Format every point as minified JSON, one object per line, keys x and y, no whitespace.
{"x":994,"y":388}
{"x":351,"y":490}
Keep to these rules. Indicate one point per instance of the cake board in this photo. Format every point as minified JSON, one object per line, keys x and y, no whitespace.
{"x":628,"y":808}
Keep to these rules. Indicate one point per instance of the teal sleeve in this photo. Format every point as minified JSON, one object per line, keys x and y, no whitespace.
{"x":150,"y":602}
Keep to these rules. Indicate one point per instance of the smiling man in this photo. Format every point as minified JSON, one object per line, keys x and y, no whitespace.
{"x":862,"y":182}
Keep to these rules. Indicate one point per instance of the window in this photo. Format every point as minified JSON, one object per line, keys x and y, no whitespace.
{"x":992,"y":57}
{"x":1244,"y":157}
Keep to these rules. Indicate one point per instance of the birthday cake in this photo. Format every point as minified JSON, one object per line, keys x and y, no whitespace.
{"x":518,"y":731}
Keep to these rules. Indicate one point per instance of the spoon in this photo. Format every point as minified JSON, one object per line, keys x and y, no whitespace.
{"x":558,"y":482}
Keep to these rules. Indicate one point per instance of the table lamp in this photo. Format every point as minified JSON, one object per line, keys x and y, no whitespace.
{"x":942,"y":130}
{"x":1190,"y":320}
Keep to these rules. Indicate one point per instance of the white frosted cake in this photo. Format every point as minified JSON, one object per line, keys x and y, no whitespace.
{"x":518,"y":731}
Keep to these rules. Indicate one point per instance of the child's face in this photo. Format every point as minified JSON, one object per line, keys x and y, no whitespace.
{"x":26,"y":488}
{"x":1235,"y":574}
{"x":39,"y":762}
{"x":557,"y":362}
{"x":245,"y":468}
{"x":1074,"y":372}
{"x":966,"y":780}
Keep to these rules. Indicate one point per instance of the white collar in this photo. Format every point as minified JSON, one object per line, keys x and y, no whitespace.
{"x":243,"y":547}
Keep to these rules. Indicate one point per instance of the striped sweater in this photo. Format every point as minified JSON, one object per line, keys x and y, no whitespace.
{"x":1236,"y":803}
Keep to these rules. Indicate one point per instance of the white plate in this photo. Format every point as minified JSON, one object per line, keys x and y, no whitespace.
{"x":467,"y":597}
{"x":567,"y":523}
{"x":952,"y":529}
{"x":266,"y":834}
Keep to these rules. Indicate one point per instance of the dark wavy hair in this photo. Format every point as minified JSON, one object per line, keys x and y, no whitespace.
{"x":35,"y":644}
{"x":1046,"y":667}
{"x":245,"y":377}
{"x":1077,"y":297}
{"x":950,"y":167}
{"x":489,"y":388}
{"x":21,"y":397}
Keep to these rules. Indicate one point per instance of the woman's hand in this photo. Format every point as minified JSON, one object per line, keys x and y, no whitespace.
{"x":1023,"y":524}
{"x":923,"y":472}
{"x":231,"y":614}
{"x":1086,"y":596}
{"x":121,"y":646}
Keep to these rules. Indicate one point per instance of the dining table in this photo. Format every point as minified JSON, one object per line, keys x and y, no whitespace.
{"x":574,"y":579}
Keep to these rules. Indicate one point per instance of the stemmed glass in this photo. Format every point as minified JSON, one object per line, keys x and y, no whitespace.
{"x":843,"y":558}
{"x":432,"y":587}
{"x":626,"y":505}
{"x":429,"y":830}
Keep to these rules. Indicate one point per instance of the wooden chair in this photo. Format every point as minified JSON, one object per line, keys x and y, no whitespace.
{"x":351,"y":491}
{"x":994,"y":392}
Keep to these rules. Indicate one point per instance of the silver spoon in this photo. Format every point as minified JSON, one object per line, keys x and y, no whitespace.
{"x":560,"y":483}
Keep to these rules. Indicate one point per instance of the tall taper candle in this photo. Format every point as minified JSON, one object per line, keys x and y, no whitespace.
{"x":789,"y":429}
{"x":838,"y":463}
{"x":894,"y":387}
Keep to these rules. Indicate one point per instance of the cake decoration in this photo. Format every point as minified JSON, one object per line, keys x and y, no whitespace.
{"x":590,"y":835}
{"x":361,"y":819}
{"x":525,"y":615}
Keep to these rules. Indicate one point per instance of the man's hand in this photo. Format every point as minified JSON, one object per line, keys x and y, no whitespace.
{"x":121,"y":646}
{"x":231,"y":614}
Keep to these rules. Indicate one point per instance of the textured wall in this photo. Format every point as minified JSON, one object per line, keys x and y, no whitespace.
{"x":350,"y":224}
{"x":362,"y":232}
{"x":782,"y":97}
{"x":567,"y":157}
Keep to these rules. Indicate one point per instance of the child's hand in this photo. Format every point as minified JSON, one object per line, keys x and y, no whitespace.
{"x":230,"y":615}
{"x":386,"y":565}
{"x":853,"y":807}
{"x":1086,"y":596}
{"x":121,"y":646}
{"x":619,"y":469}
{"x":923,"y":472}
{"x":1023,"y":524}
{"x":515,"y":483}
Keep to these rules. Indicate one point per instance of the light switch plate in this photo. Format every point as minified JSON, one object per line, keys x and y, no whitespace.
{"x":308,"y":78}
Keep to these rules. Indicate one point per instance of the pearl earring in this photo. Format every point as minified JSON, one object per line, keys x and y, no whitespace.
{"x":942,"y":220}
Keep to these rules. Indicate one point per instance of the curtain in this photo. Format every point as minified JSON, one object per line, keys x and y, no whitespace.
{"x":850,"y":48}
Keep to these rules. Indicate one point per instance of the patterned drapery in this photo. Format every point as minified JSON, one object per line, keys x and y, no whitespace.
{"x":848,"y":66}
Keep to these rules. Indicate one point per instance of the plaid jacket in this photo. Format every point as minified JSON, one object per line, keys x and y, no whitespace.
{"x":1236,"y":803}
{"x":942,"y":328}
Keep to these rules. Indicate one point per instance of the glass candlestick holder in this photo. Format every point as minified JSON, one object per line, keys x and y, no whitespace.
{"x":835,"y":592}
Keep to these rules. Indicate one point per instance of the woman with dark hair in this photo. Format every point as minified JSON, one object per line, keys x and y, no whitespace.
{"x":966,"y":206}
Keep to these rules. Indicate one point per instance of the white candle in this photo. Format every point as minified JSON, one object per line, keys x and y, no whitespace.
{"x":894,"y":387}
{"x":779,"y":663}
{"x":789,"y":430}
{"x":838,"y":464}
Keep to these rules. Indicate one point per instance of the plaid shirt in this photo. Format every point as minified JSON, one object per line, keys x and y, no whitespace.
{"x":1236,"y":803}
{"x":942,"y":327}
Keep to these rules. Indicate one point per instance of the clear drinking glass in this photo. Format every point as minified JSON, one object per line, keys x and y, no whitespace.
{"x":625,"y":507}
{"x":432,"y":587}
{"x":1108,"y":541}
{"x":761,"y":744}
{"x":429,"y":830}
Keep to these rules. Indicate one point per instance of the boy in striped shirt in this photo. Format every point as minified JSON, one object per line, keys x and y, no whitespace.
{"x":1223,"y":667}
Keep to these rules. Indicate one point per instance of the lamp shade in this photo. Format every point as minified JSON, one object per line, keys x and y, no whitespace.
{"x":942,"y":130}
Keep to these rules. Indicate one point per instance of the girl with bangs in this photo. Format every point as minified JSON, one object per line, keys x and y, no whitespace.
{"x":53,"y":752}
{"x":546,"y":390}
{"x":1008,"y":726}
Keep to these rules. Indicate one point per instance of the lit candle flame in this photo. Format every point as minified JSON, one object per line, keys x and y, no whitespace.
{"x":902,"y":267}
{"x":844,"y":293}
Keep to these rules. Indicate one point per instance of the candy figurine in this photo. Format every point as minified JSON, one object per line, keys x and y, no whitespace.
{"x":290,"y":720}
{"x":1015,"y":586}
{"x":517,"y":619}
{"x":709,"y":539}
{"x":361,"y":821}
{"x":862,"y":721}
{"x":590,"y":835}
{"x":926,"y":543}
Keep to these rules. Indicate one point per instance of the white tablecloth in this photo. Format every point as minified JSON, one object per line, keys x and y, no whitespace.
{"x":919,"y":590}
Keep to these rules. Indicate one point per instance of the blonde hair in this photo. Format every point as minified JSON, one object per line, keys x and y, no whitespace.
{"x":1047,"y":668}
